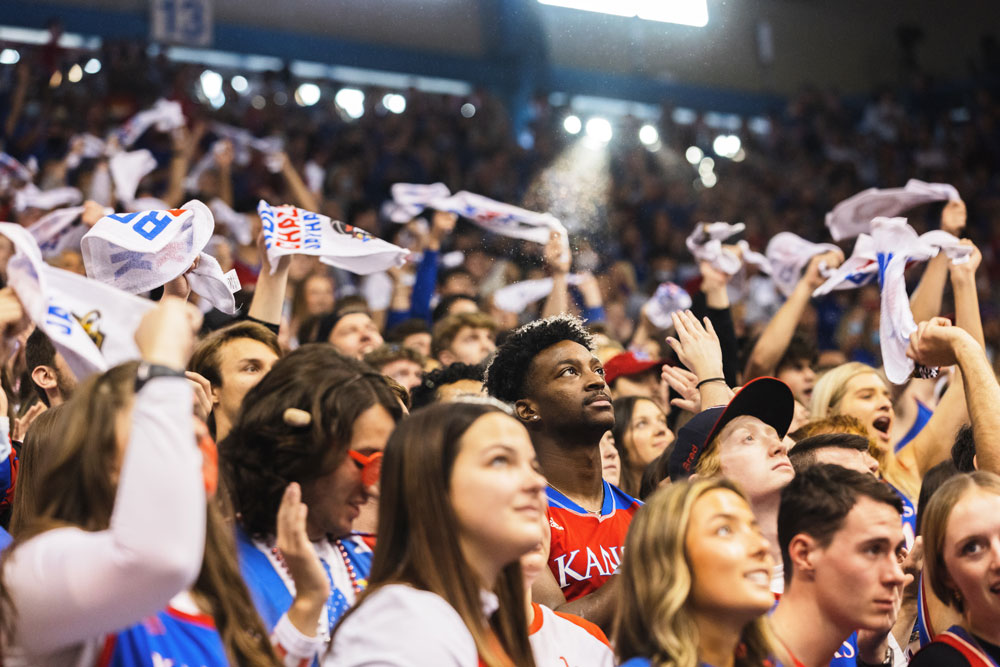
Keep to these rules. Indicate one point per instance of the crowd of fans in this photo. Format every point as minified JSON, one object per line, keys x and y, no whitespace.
{"x":409,"y":471}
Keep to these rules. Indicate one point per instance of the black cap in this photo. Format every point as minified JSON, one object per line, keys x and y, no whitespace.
{"x":766,"y":398}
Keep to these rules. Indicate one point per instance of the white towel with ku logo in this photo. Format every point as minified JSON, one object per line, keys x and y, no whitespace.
{"x":137,"y":252}
{"x":294,"y":231}
{"x":410,"y":199}
{"x":885,"y":254}
{"x":91,"y":324}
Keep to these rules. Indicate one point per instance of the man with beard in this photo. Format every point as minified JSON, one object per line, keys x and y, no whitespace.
{"x":548,"y":371}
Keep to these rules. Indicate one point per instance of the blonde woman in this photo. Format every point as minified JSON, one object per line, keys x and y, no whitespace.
{"x":858,"y":389}
{"x":696,"y":579}
{"x":961,"y":528}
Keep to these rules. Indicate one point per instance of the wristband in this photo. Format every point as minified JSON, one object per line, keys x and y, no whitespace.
{"x":707,"y":380}
{"x":147,"y":372}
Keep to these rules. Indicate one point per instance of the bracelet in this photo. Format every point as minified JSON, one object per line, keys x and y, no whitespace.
{"x":147,"y":372}
{"x":707,"y":380}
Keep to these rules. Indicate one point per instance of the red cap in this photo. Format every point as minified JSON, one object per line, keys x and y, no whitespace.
{"x":627,"y":363}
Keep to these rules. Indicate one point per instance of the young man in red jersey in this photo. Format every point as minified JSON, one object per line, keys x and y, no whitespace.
{"x":548,"y":371}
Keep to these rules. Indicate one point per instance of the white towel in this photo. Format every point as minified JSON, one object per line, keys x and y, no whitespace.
{"x":244,"y":142}
{"x":669,"y":298}
{"x":137,"y":252}
{"x":789,"y":254}
{"x":165,"y":115}
{"x":516,"y":297}
{"x":293,"y":231}
{"x":884,"y":254}
{"x":60,"y":230}
{"x":705,"y":243}
{"x":30,"y":196}
{"x":91,"y":324}
{"x":11,"y":167}
{"x":127,"y":170}
{"x":854,"y":215}
{"x":503,"y":219}
{"x":410,"y":199}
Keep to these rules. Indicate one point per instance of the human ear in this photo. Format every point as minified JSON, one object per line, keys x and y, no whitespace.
{"x":525,"y":411}
{"x":802,"y":552}
{"x":44,"y":377}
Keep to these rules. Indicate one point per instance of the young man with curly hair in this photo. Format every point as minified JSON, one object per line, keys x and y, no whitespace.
{"x":547,"y":370}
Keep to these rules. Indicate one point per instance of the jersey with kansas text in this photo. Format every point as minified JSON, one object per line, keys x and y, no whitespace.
{"x":565,"y":640}
{"x":171,"y":637}
{"x":587,"y":549}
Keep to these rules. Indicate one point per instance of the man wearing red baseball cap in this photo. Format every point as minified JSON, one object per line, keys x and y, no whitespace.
{"x":743,"y":441}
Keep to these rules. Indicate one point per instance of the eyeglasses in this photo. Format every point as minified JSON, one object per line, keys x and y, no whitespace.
{"x":370,"y":466}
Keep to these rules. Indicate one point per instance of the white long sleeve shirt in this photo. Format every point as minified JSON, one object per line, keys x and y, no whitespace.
{"x":70,"y":587}
{"x":400,"y":626}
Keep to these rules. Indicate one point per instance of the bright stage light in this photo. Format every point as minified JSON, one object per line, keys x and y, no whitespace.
{"x":599,"y":129}
{"x":394,"y":102}
{"x":352,"y":101}
{"x":211,"y":84}
{"x":9,"y":57}
{"x":648,"y":135}
{"x":693,"y":154}
{"x":93,"y":66}
{"x":572,"y":124}
{"x":727,"y":145}
{"x":239,"y":83}
{"x":307,"y":95}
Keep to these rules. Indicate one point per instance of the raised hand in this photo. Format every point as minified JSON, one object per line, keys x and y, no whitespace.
{"x":312,"y":586}
{"x":696,"y":346}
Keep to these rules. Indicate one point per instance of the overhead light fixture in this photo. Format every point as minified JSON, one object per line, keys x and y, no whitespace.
{"x":394,"y":102}
{"x":648,"y":135}
{"x":572,"y":124}
{"x":599,"y":129}
{"x":352,"y":101}
{"x":307,"y":94}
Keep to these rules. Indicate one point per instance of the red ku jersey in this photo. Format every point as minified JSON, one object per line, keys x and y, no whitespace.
{"x":587,"y":549}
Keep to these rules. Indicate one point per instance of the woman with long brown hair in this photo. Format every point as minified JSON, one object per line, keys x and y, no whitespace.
{"x":115,"y":534}
{"x":461,"y":503}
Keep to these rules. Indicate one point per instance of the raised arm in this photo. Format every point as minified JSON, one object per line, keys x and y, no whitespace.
{"x":303,"y":196}
{"x":933,"y":443}
{"x":778,"y":333}
{"x":184,"y":145}
{"x":697,"y":347}
{"x":716,"y":295}
{"x":925,"y":302}
{"x":938,"y":343}
{"x":558,"y":261}
{"x":68,"y":585}
{"x":269,"y":294}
